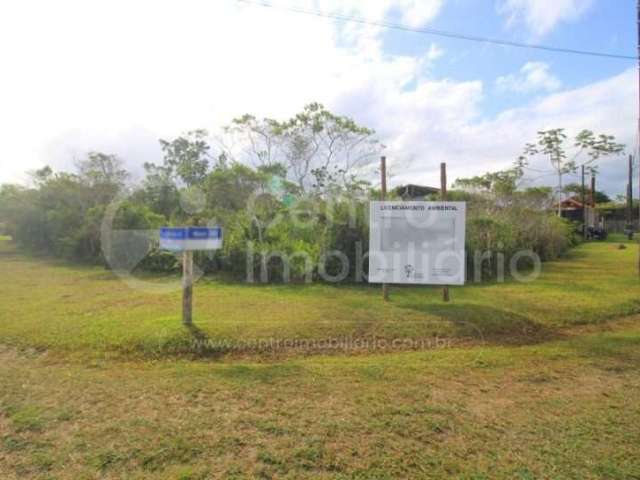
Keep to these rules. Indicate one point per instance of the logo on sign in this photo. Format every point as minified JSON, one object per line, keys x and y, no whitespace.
{"x":408,"y":270}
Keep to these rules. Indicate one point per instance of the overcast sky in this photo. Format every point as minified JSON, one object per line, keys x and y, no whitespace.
{"x":116,"y":75}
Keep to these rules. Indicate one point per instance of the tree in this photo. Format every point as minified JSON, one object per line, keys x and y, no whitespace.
{"x":41,"y":175}
{"x":100,"y":169}
{"x":103,"y":173}
{"x":187,"y":157}
{"x":185,"y":164}
{"x":552,"y":144}
{"x":314,"y":144}
{"x":14,"y":200}
{"x":499,"y":187}
{"x":259,"y":140}
{"x":229,"y":186}
{"x":539,"y":198}
{"x":320,"y":141}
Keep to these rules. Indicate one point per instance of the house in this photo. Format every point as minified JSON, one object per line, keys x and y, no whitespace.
{"x":572,"y":209}
{"x":415,"y":192}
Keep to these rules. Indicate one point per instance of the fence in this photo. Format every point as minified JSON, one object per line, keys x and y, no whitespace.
{"x":615,"y":225}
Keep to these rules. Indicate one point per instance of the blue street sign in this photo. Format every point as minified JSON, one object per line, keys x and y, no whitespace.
{"x":204,"y":233}
{"x":173,"y":233}
{"x":190,"y":238}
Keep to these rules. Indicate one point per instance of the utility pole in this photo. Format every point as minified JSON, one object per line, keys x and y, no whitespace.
{"x":443,"y":197}
{"x":383,"y":195}
{"x":630,"y":199}
{"x":638,"y":152}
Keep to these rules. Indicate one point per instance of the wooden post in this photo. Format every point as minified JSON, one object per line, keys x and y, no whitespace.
{"x":187,"y":287}
{"x":584,"y":209}
{"x":593,"y":190}
{"x":630,"y":199}
{"x":443,"y":196}
{"x":383,"y":195}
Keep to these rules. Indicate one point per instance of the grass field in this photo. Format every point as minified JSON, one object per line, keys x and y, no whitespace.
{"x":553,"y":393}
{"x":45,"y":304}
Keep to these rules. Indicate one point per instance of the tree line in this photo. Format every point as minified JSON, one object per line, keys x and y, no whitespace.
{"x":292,"y":186}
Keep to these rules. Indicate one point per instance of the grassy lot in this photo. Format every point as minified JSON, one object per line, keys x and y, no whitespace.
{"x":553,"y":395}
{"x":564,"y":409}
{"x":52,"y":305}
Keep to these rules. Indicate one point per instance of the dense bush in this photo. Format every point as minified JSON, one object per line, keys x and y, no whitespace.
{"x":269,"y":234}
{"x":286,"y":218}
{"x":503,"y":220}
{"x":509,"y":232}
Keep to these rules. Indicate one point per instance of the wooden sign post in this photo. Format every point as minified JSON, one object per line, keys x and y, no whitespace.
{"x":187,"y":287}
{"x":583,"y":199}
{"x":186,"y":240}
{"x":383,"y":195}
{"x":443,"y":197}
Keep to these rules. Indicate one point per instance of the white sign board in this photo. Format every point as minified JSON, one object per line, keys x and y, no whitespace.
{"x":178,"y":239}
{"x":417,"y":243}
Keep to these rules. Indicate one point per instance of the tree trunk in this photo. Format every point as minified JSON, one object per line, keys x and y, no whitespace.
{"x":559,"y":194}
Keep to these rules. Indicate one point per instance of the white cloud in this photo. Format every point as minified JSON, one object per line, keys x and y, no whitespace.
{"x":542,"y":16}
{"x":412,"y":12}
{"x":471,"y":147}
{"x":532,"y":77}
{"x":434,"y":52}
{"x":115,"y":76}
{"x":419,"y":12}
{"x":80,"y":71}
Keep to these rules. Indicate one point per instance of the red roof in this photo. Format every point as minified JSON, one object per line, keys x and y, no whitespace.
{"x":571,"y":203}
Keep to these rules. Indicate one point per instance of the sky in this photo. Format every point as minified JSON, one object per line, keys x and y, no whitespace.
{"x":115,"y":76}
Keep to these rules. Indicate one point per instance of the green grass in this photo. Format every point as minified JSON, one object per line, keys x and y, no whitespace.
{"x":46,"y":304}
{"x":560,"y":402}
{"x":563,"y":409}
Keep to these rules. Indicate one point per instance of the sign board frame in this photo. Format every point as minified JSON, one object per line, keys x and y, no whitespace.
{"x":417,"y":242}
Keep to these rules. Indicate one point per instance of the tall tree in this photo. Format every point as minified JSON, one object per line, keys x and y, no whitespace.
{"x":314,"y":144}
{"x":185,"y":164}
{"x":258,"y":141}
{"x":552,"y":144}
{"x":104,"y":174}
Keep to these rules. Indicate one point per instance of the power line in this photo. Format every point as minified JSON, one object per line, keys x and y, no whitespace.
{"x":432,"y":31}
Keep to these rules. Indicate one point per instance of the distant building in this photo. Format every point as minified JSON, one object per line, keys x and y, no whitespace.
{"x":415,"y":192}
{"x":572,"y":209}
{"x":571,"y":204}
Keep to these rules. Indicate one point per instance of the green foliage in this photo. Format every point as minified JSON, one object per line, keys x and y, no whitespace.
{"x":285,"y":217}
{"x":501,"y":183}
{"x":104,"y":174}
{"x":187,"y":157}
{"x":503,"y":220}
{"x":62,"y":214}
{"x":272,"y":228}
{"x":509,"y":232}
